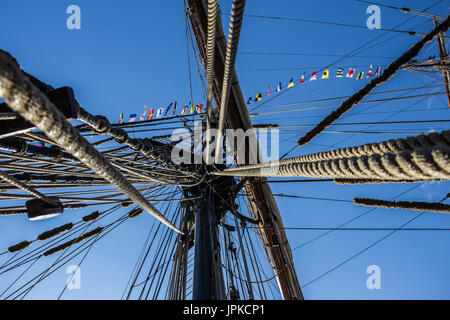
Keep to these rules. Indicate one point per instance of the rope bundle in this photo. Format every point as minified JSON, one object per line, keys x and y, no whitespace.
{"x":92,"y":216}
{"x":19,"y":246}
{"x":414,"y":205}
{"x":373,"y":181}
{"x":54,"y":232}
{"x":67,"y":244}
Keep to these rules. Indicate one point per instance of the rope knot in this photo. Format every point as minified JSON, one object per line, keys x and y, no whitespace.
{"x":121,"y":136}
{"x":136,"y":144}
{"x":103,"y":125}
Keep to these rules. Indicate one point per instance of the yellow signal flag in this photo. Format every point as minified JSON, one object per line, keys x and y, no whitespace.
{"x":326,"y":74}
{"x":291,"y":83}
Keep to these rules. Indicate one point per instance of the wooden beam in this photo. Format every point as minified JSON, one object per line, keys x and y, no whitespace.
{"x":443,"y":54}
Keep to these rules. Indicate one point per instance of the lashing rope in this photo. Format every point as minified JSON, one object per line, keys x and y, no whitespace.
{"x":431,"y":163}
{"x":69,"y":243}
{"x":409,"y":144}
{"x":409,"y":205}
{"x":210,"y":51}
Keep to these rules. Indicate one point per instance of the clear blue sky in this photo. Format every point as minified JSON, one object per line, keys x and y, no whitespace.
{"x":133,"y":53}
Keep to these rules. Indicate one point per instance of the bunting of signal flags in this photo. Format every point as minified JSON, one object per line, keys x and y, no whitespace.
{"x":163,"y":112}
{"x":350,"y":73}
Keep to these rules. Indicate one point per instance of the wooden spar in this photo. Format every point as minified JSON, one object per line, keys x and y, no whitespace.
{"x":208,"y":281}
{"x":443,"y":54}
{"x":261,"y":200}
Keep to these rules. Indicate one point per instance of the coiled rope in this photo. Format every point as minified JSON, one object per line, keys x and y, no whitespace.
{"x":432,"y":163}
{"x":432,"y":139}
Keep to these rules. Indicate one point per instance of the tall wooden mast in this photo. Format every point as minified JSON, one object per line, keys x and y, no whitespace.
{"x":260,"y":197}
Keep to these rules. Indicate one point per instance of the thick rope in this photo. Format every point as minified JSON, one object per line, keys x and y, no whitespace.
{"x":30,"y":190}
{"x":386,"y":75}
{"x":210,"y":51}
{"x":92,"y":216}
{"x":408,"y":144}
{"x":23,"y":97}
{"x":237,"y":15}
{"x":414,"y":205}
{"x":431,"y":163}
